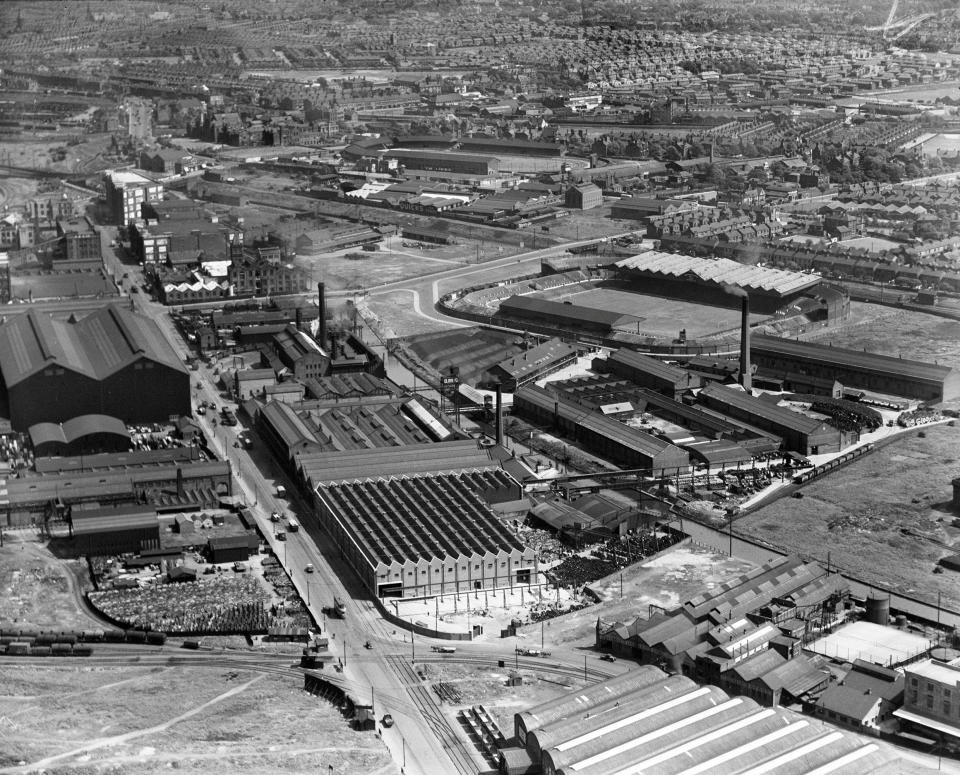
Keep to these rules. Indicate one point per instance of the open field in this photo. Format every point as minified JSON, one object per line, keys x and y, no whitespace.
{"x":858,"y":513}
{"x":39,"y":589}
{"x":196,"y":720}
{"x":917,"y":93}
{"x":660,"y":316}
{"x":893,"y":331}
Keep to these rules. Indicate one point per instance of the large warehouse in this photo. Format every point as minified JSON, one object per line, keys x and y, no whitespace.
{"x":800,"y":433}
{"x":642,"y":370}
{"x":709,"y":280}
{"x":111,"y":362}
{"x":601,"y":434}
{"x":644,"y":721}
{"x":857,"y":369}
{"x":421,"y":526}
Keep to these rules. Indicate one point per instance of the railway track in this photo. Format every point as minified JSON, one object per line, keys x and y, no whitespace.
{"x":454,"y":746}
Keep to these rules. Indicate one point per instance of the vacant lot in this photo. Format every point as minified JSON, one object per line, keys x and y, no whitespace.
{"x":39,"y":589}
{"x":196,"y":720}
{"x":859,"y":515}
{"x":892,"y":331}
{"x":677,"y":575}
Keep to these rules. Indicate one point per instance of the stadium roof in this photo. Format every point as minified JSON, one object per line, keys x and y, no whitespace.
{"x":527,"y":306}
{"x":97,"y":346}
{"x":842,"y":357}
{"x":722,"y":271}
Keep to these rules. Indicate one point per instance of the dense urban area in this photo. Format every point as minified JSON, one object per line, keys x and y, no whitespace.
{"x":455,"y":388}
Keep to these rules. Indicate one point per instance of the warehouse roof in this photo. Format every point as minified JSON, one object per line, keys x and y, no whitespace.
{"x":757,"y":407}
{"x":106,"y":461}
{"x":321,"y":467}
{"x":97,"y":346}
{"x":705,"y":730}
{"x":722,"y":271}
{"x":629,"y":437}
{"x":288,"y":425}
{"x":76,"y":428}
{"x":536,"y":358}
{"x":526,"y":306}
{"x":128,"y":516}
{"x":845,"y":358}
{"x":409,"y":518}
{"x":652,"y":367}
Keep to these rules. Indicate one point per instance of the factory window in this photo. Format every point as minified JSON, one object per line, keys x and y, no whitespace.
{"x":929,"y":702}
{"x":946,"y":708}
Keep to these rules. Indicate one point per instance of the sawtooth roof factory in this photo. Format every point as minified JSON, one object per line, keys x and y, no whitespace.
{"x":644,"y":721}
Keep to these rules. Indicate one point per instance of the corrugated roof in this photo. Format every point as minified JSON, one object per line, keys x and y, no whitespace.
{"x":651,"y":366}
{"x":844,"y":358}
{"x":525,"y":306}
{"x":766,"y":410}
{"x":76,"y":428}
{"x":288,"y":425}
{"x":536,"y":358}
{"x":722,"y":271}
{"x":97,"y":346}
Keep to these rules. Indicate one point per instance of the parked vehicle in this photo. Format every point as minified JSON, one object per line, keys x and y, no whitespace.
{"x":444,"y":649}
{"x":309,"y":568}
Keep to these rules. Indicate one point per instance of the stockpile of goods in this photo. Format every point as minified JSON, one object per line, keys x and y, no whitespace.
{"x":215,"y":605}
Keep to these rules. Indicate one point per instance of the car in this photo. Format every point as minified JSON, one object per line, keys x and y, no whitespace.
{"x":309,"y":567}
{"x":608,"y":658}
{"x":387,"y":721}
{"x":201,"y":410}
{"x":444,"y":649}
{"x":134,"y":289}
{"x":275,"y":516}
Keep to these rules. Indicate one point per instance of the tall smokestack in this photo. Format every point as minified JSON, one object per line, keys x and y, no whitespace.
{"x":299,"y":319}
{"x":745,"y":379}
{"x":322,"y":303}
{"x":498,"y":420}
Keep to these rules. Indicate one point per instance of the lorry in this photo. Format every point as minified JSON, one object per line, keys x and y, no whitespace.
{"x":281,"y":491}
{"x":292,"y":525}
{"x":339,"y":607}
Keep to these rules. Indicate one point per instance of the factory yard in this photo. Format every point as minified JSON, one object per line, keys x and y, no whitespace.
{"x":675,"y":575}
{"x":196,"y":720}
{"x":896,"y":332}
{"x":882,"y":529}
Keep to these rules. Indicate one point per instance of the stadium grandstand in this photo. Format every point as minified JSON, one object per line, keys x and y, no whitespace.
{"x":709,"y":280}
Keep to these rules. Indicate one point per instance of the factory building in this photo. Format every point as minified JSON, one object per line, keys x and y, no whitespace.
{"x":423,"y":526}
{"x":857,"y":369}
{"x":802,"y":434}
{"x":709,"y":280}
{"x":114,"y":529}
{"x":533,"y":364}
{"x":603,"y":435}
{"x":645,"y":721}
{"x":88,"y":433}
{"x":771,"y":608}
{"x":930,"y":702}
{"x":160,"y":477}
{"x":111,"y":362}
{"x":647,"y":372}
{"x":126,"y":192}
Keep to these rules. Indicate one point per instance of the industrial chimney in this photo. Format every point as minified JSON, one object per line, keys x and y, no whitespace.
{"x":498,"y":420}
{"x":299,"y":319}
{"x":745,"y":379}
{"x":322,"y":312}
